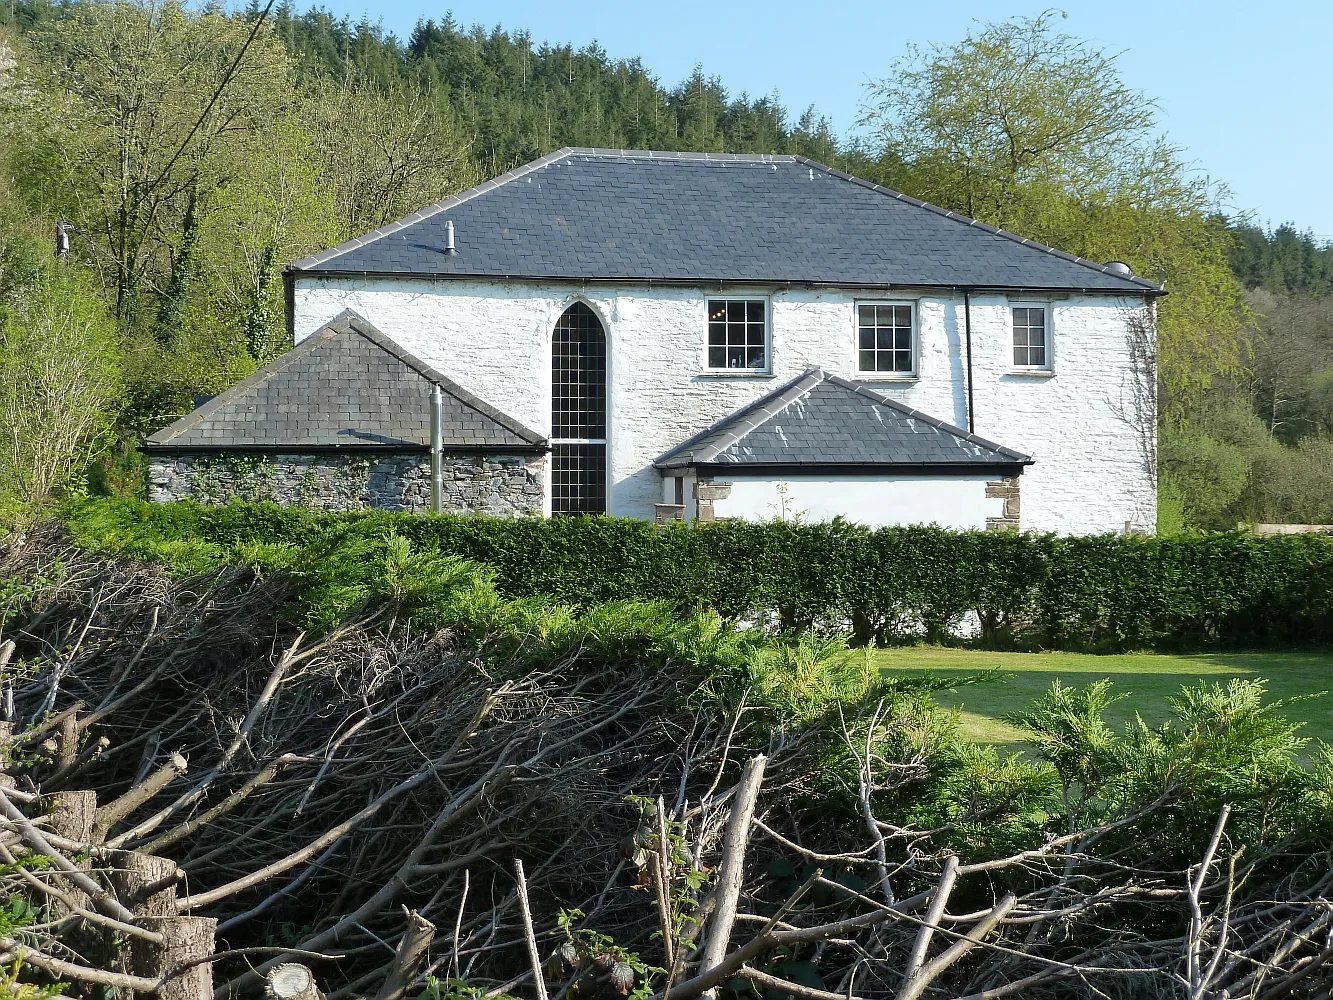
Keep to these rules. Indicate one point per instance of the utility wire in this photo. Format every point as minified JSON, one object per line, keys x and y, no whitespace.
{"x":231,"y":70}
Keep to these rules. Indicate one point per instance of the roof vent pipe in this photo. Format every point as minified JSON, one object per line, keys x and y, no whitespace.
{"x":449,"y":247}
{"x":1119,"y":267}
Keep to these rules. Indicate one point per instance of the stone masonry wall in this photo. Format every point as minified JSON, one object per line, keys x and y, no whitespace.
{"x":497,"y":485}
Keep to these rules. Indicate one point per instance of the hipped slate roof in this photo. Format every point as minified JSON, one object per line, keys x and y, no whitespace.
{"x":598,"y":214}
{"x":822,"y":420}
{"x":345,"y":386}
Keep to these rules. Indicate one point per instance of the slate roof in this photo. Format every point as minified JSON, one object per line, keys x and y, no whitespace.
{"x":820,"y":420}
{"x":597,"y":214}
{"x":345,"y":386}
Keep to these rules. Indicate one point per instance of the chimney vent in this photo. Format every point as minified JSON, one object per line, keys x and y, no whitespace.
{"x":449,"y":247}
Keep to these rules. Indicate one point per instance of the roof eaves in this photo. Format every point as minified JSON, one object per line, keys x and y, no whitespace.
{"x":1143,"y":283}
{"x":310,"y":263}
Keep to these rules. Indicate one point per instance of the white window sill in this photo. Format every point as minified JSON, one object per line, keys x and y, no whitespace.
{"x":879,"y":378}
{"x":1031,"y":372}
{"x":734,"y":373}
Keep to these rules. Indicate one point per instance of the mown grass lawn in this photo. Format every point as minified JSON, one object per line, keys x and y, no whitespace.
{"x":1148,"y":677}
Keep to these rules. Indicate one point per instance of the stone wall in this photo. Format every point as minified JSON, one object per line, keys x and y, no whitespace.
{"x":498,"y":485}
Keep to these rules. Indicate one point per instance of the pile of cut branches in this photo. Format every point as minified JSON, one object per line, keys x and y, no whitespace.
{"x":197,"y":795}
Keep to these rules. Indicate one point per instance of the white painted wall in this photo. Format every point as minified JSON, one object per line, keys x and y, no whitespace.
{"x":493,"y":338}
{"x":948,"y":501}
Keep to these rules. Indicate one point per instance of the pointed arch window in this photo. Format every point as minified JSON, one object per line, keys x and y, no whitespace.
{"x":578,"y":413}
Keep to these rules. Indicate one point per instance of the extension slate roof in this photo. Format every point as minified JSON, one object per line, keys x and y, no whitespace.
{"x":345,"y":386}
{"x":603,"y":214}
{"x":819,"y":419}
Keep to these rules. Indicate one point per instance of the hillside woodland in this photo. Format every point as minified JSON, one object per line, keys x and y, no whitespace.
{"x":190,"y":154}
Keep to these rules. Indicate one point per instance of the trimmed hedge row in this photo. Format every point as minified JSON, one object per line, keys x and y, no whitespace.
{"x":1002,"y":589}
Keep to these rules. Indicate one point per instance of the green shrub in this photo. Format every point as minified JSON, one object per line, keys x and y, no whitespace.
{"x":997,"y":589}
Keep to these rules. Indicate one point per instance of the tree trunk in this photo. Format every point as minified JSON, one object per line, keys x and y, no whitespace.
{"x":290,"y":981}
{"x":134,"y":874}
{"x":72,"y":816}
{"x":185,"y":939}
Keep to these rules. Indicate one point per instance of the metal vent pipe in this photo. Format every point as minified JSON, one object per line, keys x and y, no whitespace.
{"x":436,"y":450}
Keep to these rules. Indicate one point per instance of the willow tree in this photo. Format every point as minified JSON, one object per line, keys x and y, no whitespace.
{"x":1024,"y":127}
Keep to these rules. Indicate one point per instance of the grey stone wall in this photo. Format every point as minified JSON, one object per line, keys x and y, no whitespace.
{"x":498,"y":485}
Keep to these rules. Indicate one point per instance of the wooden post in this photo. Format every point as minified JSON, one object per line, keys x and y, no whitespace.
{"x":69,"y":741}
{"x":184,"y":939}
{"x":529,"y":935}
{"x":407,"y":960}
{"x":73,"y":815}
{"x":732,"y":870}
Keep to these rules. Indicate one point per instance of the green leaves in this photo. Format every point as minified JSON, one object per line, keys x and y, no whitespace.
{"x":1224,"y":744}
{"x":995,"y":589}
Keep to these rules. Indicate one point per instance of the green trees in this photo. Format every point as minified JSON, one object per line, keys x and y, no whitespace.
{"x":60,"y":360}
{"x":147,"y":113}
{"x":1032,"y":130}
{"x":383,"y":154}
{"x":1024,"y":127}
{"x":191,"y":166}
{"x":1283,"y":260}
{"x":195,"y":153}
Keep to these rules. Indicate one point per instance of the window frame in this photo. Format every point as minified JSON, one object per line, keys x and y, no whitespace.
{"x":578,"y":449}
{"x":1048,"y":313}
{"x":865,"y":375}
{"x":767,"y":369}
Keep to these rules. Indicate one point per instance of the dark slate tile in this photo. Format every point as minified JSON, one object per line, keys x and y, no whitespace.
{"x":685,"y":218}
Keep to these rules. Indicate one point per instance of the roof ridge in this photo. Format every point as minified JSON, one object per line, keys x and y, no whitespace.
{"x":229,"y":395}
{"x":682,"y":154}
{"x":363,"y":327}
{"x":421,"y":215}
{"x":861,"y":389}
{"x":976,"y":224}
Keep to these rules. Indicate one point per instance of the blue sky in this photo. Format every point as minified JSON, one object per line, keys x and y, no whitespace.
{"x":1246,"y":89}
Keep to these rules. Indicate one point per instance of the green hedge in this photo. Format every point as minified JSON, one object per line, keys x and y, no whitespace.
{"x":1038,"y":591}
